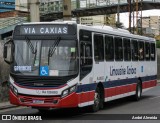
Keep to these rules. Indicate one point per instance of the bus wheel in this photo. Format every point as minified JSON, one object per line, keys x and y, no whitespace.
{"x":96,"y":106}
{"x":43,"y":111}
{"x":138,"y":94}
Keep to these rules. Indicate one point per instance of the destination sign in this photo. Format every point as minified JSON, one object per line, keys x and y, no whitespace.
{"x":43,"y":29}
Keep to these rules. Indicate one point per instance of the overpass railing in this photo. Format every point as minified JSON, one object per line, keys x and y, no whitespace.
{"x":6,"y":22}
{"x":50,"y":7}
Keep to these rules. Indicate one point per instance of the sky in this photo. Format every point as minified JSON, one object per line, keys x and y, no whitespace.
{"x":124,"y":16}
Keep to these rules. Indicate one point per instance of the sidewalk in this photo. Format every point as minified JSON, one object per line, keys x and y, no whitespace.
{"x":6,"y":105}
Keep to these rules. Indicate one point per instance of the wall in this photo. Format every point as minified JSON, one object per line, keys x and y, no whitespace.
{"x":4,"y":72}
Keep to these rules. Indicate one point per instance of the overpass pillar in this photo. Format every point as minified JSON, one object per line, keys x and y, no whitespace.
{"x":67,"y":10}
{"x":34,"y":10}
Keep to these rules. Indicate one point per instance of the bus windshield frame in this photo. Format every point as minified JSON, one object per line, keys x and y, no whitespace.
{"x":57,"y":57}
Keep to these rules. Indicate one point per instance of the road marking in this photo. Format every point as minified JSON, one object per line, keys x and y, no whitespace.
{"x":154,"y":97}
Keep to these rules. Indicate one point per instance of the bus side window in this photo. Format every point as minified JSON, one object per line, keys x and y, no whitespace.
{"x":86,"y":54}
{"x":98,"y":48}
{"x":109,"y":48}
{"x":141,"y":50}
{"x":127,"y":49}
{"x":86,"y":59}
{"x":147,"y":51}
{"x":118,"y":49}
{"x":153,"y":52}
{"x":134,"y":50}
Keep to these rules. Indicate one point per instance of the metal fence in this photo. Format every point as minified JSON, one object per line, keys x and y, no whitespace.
{"x":6,"y":22}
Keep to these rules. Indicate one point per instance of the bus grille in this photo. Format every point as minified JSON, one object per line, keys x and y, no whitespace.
{"x":39,"y":82}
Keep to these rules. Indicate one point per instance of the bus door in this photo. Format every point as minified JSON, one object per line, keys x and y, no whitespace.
{"x":86,"y":63}
{"x":98,"y":64}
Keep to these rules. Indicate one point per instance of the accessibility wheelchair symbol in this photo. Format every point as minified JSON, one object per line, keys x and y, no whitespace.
{"x":44,"y":71}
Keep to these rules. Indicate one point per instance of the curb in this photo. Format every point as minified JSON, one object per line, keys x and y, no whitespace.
{"x":7,"y":107}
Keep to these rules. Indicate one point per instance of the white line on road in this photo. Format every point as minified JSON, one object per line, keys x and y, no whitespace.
{"x":154,"y":97}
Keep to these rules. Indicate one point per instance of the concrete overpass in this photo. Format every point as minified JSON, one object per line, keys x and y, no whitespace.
{"x":101,"y":10}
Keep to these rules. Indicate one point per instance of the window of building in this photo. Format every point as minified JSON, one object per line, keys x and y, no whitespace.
{"x":98,"y":47}
{"x":109,"y":48}
{"x":141,"y":50}
{"x":118,"y":49}
{"x":147,"y":51}
{"x":127,"y":49}
{"x":134,"y":50}
{"x":153,"y":51}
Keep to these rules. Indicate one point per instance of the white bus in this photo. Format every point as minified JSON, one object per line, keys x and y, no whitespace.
{"x":64,"y":64}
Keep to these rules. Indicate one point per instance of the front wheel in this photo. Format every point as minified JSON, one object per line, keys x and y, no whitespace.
{"x":97,"y":101}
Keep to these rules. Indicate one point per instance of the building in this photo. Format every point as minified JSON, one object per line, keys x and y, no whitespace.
{"x":150,"y":25}
{"x":21,"y":5}
{"x":48,"y":6}
{"x":45,"y":6}
{"x":7,"y":5}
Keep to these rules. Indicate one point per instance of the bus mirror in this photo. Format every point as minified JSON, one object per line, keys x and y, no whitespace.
{"x":7,"y":52}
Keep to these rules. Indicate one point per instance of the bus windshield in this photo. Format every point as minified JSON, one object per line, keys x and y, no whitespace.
{"x":45,"y":57}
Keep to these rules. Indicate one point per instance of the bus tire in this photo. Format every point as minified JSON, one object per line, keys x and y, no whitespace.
{"x":96,"y":106}
{"x":138,"y":94}
{"x":43,"y":111}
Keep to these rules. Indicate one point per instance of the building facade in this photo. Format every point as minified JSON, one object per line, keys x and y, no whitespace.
{"x":7,"y":5}
{"x":151,"y":26}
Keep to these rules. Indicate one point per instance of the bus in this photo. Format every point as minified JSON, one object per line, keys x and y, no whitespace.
{"x":64,"y":65}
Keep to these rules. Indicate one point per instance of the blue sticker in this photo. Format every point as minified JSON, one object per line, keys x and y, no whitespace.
{"x":44,"y":71}
{"x":141,"y":68}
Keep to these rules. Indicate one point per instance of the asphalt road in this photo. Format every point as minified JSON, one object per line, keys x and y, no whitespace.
{"x":121,"y":110}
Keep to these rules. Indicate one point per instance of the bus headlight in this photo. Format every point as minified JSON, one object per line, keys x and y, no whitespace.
{"x":14,"y":90}
{"x":65,"y":93}
{"x":68,"y":91}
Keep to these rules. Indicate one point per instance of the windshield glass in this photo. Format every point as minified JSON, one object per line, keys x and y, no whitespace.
{"x":45,"y":58}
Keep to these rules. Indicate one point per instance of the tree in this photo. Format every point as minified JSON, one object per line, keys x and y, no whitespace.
{"x":119,"y":25}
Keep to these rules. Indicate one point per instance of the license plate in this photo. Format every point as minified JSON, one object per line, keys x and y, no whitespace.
{"x":38,"y":101}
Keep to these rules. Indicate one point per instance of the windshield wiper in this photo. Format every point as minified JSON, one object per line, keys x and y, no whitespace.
{"x":30,"y":45}
{"x":53,"y":48}
{"x":33,"y":50}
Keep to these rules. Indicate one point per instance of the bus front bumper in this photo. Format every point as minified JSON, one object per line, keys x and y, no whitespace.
{"x":44,"y":102}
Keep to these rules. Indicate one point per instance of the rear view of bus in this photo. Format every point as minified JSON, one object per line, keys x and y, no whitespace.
{"x":44,"y":65}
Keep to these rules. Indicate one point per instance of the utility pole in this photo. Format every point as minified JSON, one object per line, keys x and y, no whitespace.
{"x":133,"y":16}
{"x":118,"y":11}
{"x":139,"y":16}
{"x":129,"y":7}
{"x":34,"y":10}
{"x":67,"y":10}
